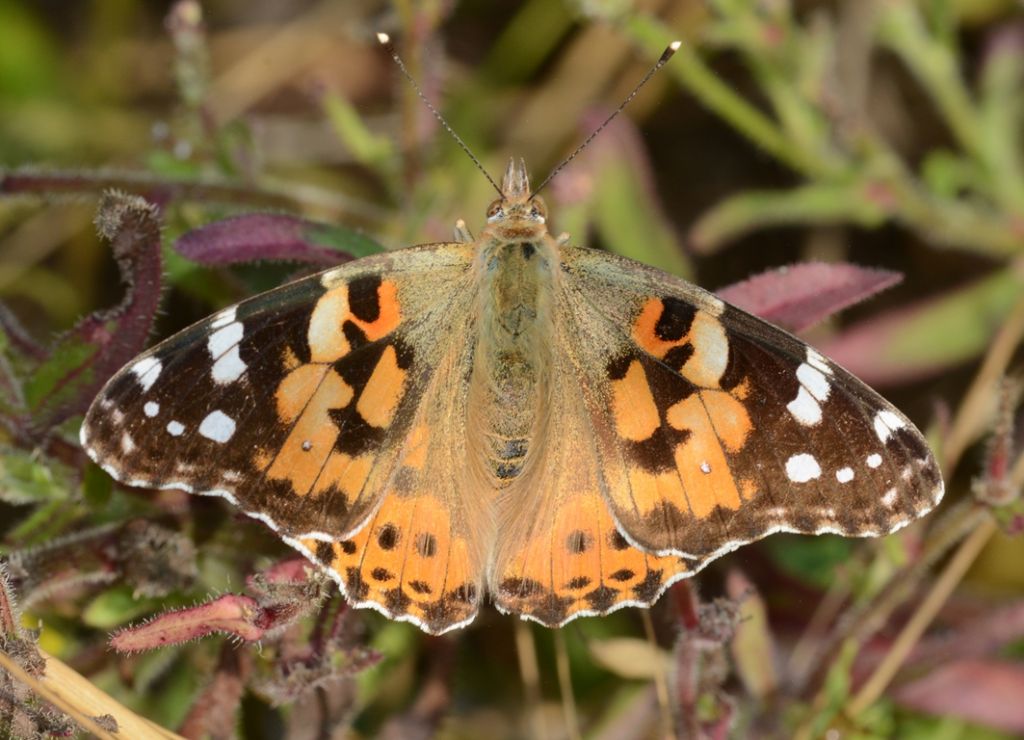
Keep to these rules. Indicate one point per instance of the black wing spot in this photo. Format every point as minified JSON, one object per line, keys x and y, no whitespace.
{"x":465,"y":593}
{"x":325,"y":552}
{"x":381,"y":574}
{"x":521,"y":587}
{"x":618,"y":366}
{"x":420,"y":587}
{"x":577,"y":583}
{"x":577,"y":542}
{"x":397,"y":601}
{"x":675,"y":320}
{"x":602,"y":598}
{"x":355,"y":585}
{"x":348,"y":547}
{"x":623,"y":574}
{"x":388,"y":537}
{"x":426,"y":544}
{"x":617,"y":541}
{"x":364,"y":298}
{"x":678,"y":356}
{"x":649,"y":587}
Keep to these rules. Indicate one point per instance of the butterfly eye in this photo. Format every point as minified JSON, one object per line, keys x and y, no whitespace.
{"x":538,"y":211}
{"x":495,"y":211}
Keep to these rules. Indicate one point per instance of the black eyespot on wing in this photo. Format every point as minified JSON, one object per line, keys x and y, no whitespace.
{"x":675,"y":320}
{"x":363,"y":297}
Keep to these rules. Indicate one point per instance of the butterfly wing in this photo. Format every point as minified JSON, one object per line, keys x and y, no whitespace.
{"x":305,"y":406}
{"x":715,"y":428}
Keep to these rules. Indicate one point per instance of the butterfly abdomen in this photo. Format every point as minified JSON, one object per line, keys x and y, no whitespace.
{"x":511,"y":358}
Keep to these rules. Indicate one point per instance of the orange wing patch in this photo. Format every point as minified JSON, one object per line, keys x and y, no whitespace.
{"x":581,"y":565}
{"x":633,"y":406}
{"x":678,"y":458}
{"x":408,"y":562}
{"x":373,"y":309}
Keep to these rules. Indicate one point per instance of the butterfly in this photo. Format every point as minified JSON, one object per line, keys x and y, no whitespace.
{"x":563,"y":430}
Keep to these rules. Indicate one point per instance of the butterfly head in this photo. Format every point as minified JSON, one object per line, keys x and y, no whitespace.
{"x":517,"y":216}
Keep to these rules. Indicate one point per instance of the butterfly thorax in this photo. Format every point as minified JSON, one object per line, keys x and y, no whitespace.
{"x":516,"y":264}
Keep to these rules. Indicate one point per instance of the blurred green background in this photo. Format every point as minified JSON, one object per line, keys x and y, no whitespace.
{"x":885,"y":133}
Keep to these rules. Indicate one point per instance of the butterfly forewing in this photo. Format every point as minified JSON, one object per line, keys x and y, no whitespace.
{"x":291,"y":404}
{"x":717,"y":428}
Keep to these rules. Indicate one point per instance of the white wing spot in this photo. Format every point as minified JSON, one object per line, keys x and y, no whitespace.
{"x":844,"y":475}
{"x":224,"y":339}
{"x":816,"y":360}
{"x":874,"y":460}
{"x":117,"y":416}
{"x":152,"y":408}
{"x":705,"y":467}
{"x":217,"y":426}
{"x":802,"y":468}
{"x":886,"y":422}
{"x":804,"y":408}
{"x":814,"y":380}
{"x":147,"y":370}
{"x":307,"y":445}
{"x":229,"y":367}
{"x":889,"y":499}
{"x":175,"y":428}
{"x":224,"y":318}
{"x":127,"y":443}
{"x":814,"y":387}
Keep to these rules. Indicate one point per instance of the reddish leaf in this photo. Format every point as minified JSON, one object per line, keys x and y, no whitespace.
{"x":801,"y":295}
{"x":265,"y":236}
{"x":232,"y":614}
{"x":987,"y":692}
{"x":81,"y":361}
{"x":928,"y":336}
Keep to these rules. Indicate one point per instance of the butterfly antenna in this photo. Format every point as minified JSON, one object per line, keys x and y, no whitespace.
{"x":385,"y":41}
{"x":665,"y":56}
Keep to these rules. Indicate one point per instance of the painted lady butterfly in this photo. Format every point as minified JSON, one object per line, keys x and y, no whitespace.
{"x":565,"y":430}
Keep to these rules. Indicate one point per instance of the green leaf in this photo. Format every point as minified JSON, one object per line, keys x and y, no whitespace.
{"x":810,"y":559}
{"x":25,"y":478}
{"x":342,"y":239}
{"x":632,"y":225}
{"x":48,"y":382}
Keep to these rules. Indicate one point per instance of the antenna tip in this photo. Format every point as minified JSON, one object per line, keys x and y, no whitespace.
{"x":674,"y":46}
{"x":383,"y":38}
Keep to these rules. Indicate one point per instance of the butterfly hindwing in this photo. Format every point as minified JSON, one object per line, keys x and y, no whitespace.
{"x":717,"y":428}
{"x":561,"y":555}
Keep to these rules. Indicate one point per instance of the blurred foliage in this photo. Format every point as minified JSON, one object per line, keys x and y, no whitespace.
{"x":881,"y":132}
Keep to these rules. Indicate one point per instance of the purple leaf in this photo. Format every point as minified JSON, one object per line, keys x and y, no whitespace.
{"x":987,"y":692}
{"x":928,"y":336}
{"x":265,"y":236}
{"x":799,"y":296}
{"x":81,"y":360}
